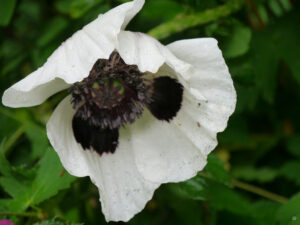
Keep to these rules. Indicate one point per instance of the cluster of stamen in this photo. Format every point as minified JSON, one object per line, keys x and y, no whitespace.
{"x":114,"y":94}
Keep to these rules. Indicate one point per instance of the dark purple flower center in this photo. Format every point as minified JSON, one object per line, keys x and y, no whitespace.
{"x":114,"y":95}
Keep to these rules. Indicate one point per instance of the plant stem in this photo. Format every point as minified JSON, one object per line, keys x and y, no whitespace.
{"x":184,"y":21}
{"x":259,"y":191}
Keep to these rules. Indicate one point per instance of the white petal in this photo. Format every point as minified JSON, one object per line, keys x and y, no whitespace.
{"x":73,"y":60}
{"x":175,"y":151}
{"x":163,"y":152}
{"x":123,"y":191}
{"x":210,"y":78}
{"x":148,"y":54}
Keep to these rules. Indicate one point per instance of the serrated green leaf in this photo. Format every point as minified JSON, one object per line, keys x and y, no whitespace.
{"x":6,"y":11}
{"x":289,"y":213}
{"x":238,"y":42}
{"x":48,"y":181}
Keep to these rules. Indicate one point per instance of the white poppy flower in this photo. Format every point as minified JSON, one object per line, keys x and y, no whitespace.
{"x":139,"y":114}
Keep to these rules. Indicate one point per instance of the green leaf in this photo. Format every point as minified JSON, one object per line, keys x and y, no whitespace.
{"x":255,"y":174}
{"x":265,"y":61}
{"x":38,"y":140}
{"x":5,"y":168}
{"x":156,"y":10}
{"x":215,"y":167}
{"x":293,"y":145}
{"x":222,"y":197}
{"x":6,"y":11}
{"x":193,"y":188}
{"x":49,"y":179}
{"x":238,"y":42}
{"x":80,"y":7}
{"x":63,"y":6}
{"x":55,"y":222}
{"x":289,"y":213}
{"x":290,"y":170}
{"x":51,"y":30}
{"x":264,"y":211}
{"x":184,"y":21}
{"x":12,"y":186}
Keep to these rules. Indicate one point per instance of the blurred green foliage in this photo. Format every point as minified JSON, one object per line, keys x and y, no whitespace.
{"x":252,"y":178}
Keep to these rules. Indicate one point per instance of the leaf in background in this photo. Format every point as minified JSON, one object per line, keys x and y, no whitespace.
{"x":47,"y":182}
{"x":255,"y":174}
{"x":289,"y":213}
{"x":6,"y":11}
{"x":287,"y":34}
{"x":269,"y":47}
{"x":215,"y":167}
{"x":156,"y":9}
{"x":38,"y":140}
{"x":293,"y":145}
{"x":264,"y":211}
{"x":12,"y":186}
{"x":290,"y":170}
{"x":49,"y":179}
{"x":193,"y":188}
{"x":52,"y":30}
{"x":265,"y":63}
{"x":5,"y":168}
{"x":238,"y":42}
{"x":237,"y":134}
{"x":222,"y":197}
{"x":80,"y":7}
{"x":187,"y":20}
{"x":63,"y":6}
{"x":55,"y":222}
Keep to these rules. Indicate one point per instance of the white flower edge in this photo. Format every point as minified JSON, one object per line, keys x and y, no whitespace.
{"x":74,"y":58}
{"x":159,"y":155}
{"x":158,"y":152}
{"x":123,"y":190}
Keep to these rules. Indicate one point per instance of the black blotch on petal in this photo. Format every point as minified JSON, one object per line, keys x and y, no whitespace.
{"x":93,"y":137}
{"x":166,"y":98}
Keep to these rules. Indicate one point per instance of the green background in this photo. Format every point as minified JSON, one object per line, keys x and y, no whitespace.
{"x":252,"y":178}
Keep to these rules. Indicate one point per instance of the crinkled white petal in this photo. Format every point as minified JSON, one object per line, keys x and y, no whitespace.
{"x":149,"y":54}
{"x":73,"y":60}
{"x":176,"y":151}
{"x":123,"y":191}
{"x":211,"y":79}
{"x":163,"y":152}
